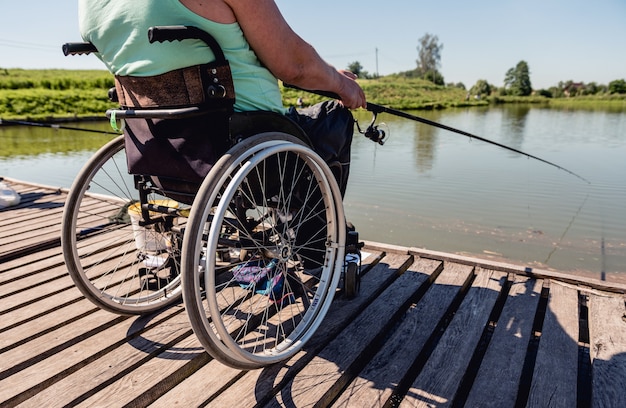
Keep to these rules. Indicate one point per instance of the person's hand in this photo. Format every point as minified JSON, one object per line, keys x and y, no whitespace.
{"x":351,"y":94}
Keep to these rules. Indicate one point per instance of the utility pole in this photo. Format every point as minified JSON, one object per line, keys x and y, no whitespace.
{"x":376,"y":61}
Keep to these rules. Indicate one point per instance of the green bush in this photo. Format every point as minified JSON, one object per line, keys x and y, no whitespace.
{"x":617,"y":86}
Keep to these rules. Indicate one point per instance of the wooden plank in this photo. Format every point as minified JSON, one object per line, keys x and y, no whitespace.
{"x":523,"y":270}
{"x":20,"y":306}
{"x":441,"y":376}
{"x":41,"y":347}
{"x":33,"y":245}
{"x":19,"y":281}
{"x":202,"y":386}
{"x":556,"y":367}
{"x":42,"y":323}
{"x":32,"y":200}
{"x":271,"y":380}
{"x":30,"y":309}
{"x":49,"y":207}
{"x":14,"y":301}
{"x":314,"y":383}
{"x":140,"y":386}
{"x":199,"y":388}
{"x":30,"y":222}
{"x":59,"y":282}
{"x":497,"y":381}
{"x":198,"y":378}
{"x":40,"y":232}
{"x":33,"y":264}
{"x":334,"y":368}
{"x":82,"y":366}
{"x":35,"y":227}
{"x":377,"y":382}
{"x":607,"y":331}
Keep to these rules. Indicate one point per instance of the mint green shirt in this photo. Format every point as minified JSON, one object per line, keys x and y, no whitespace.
{"x":119,"y":30}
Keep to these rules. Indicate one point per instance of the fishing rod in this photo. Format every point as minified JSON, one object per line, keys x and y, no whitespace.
{"x":53,"y":126}
{"x":378,"y":135}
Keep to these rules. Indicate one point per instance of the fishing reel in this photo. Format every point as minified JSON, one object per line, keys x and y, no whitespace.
{"x":374,"y":132}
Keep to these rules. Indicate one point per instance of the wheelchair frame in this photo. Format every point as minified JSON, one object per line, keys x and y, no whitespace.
{"x":255,"y":284}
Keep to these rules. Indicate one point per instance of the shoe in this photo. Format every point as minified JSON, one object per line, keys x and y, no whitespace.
{"x":252,"y":272}
{"x":260,"y":276}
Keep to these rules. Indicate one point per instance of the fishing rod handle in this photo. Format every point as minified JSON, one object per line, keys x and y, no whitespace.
{"x":369,"y":106}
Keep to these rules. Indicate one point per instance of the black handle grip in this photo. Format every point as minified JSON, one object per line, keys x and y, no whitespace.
{"x":78,"y":48}
{"x":168,"y":33}
{"x":179,"y":33}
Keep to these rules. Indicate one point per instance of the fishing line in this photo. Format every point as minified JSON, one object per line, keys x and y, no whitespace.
{"x":528,"y":210}
{"x":556,"y":246}
{"x":602,"y":245}
{"x":53,"y":126}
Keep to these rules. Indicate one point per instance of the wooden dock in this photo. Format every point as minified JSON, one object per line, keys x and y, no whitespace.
{"x":427,"y":329}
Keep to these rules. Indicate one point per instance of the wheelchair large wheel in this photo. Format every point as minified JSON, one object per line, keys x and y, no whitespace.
{"x":119,"y":263}
{"x":262,"y":251}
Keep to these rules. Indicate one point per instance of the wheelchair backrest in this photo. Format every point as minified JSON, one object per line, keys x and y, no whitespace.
{"x":166,"y":142}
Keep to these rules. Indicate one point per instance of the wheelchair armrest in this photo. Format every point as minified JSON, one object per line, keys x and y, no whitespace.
{"x":177,"y":113}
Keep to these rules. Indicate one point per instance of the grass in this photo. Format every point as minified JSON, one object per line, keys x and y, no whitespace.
{"x":399,"y":93}
{"x":72,"y":94}
{"x":55,"y":79}
{"x":614,"y":104}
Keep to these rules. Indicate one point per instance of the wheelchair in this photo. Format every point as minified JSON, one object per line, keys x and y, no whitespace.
{"x":256,"y":248}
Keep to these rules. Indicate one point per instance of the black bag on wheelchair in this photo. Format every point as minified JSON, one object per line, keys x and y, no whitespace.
{"x":185,"y":148}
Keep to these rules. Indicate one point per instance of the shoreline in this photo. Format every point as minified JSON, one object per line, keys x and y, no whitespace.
{"x":611,"y":106}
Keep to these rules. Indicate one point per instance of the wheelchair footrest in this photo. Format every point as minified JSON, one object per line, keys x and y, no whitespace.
{"x":351,"y":271}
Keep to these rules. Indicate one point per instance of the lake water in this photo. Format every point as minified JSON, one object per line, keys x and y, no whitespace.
{"x":437,"y":190}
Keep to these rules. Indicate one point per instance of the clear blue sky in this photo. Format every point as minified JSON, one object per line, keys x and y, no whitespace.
{"x":559,"y":39}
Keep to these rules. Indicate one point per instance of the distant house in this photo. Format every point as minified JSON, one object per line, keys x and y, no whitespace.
{"x":573,"y":89}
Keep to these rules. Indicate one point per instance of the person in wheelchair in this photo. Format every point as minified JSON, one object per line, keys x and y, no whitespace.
{"x":233,"y":204}
{"x":256,"y":40}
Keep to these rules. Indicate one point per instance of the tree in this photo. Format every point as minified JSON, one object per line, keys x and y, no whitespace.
{"x":433,"y":76}
{"x":357,"y":69}
{"x":591,"y":88}
{"x":459,"y":85}
{"x":617,"y":86}
{"x":429,"y":58}
{"x":481,"y":87}
{"x":545,"y":92}
{"x":517,"y":80}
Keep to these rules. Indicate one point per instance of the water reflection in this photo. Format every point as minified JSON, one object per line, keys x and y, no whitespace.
{"x":513,"y":124}
{"x":29,"y":141}
{"x":425,"y":148}
{"x":50,"y":156}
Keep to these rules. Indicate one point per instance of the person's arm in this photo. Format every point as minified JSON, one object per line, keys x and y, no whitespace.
{"x":289,"y":57}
